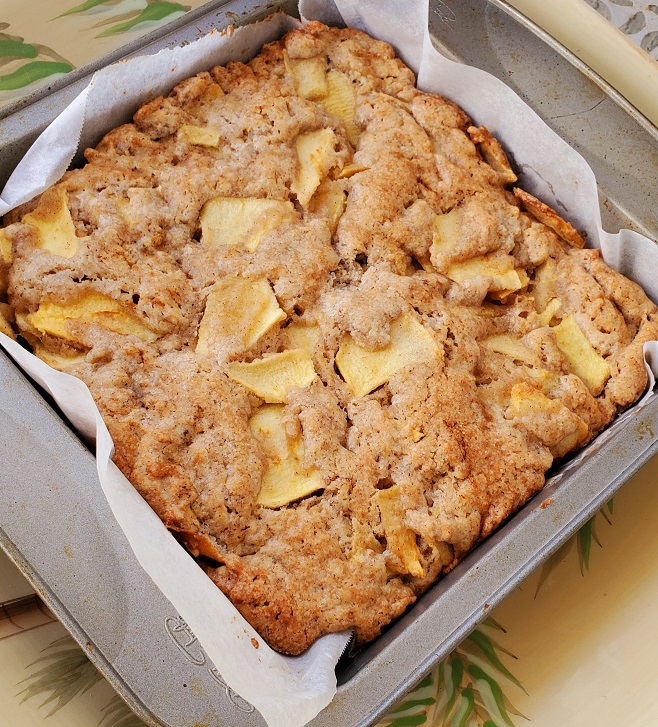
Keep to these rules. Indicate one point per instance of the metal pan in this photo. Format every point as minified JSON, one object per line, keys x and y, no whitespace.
{"x":57,"y":527}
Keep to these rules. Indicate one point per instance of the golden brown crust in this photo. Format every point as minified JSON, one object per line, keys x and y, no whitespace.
{"x":492,"y":152}
{"x":311,"y":212}
{"x":549,"y":217}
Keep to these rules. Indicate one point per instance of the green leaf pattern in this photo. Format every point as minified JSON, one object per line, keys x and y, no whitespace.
{"x":465,"y":690}
{"x":134,"y":15}
{"x":583,"y":540}
{"x":32,"y":72}
{"x":64,"y":673}
{"x":150,"y":15}
{"x":118,"y":714}
{"x":23,"y":65}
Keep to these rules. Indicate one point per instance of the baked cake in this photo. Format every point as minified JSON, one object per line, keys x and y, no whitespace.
{"x":334,"y":343}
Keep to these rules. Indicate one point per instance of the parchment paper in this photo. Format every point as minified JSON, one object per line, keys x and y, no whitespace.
{"x":289,"y":691}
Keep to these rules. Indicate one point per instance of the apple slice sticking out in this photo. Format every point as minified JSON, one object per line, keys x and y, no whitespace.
{"x":492,"y":153}
{"x":272,"y":377}
{"x":315,"y":150}
{"x":582,"y":358}
{"x":238,"y":312}
{"x":365,"y":370}
{"x":241,"y":221}
{"x":400,"y":539}
{"x":341,"y":102}
{"x":310,"y":75}
{"x":54,"y":318}
{"x":54,"y":224}
{"x":349,"y":170}
{"x":548,"y":216}
{"x":329,"y":201}
{"x":285,"y":479}
{"x":543,"y":290}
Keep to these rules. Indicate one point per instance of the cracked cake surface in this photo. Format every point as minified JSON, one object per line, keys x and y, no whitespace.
{"x":333,"y":342}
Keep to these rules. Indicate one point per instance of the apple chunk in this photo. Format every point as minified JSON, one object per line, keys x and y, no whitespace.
{"x":365,"y":370}
{"x":5,"y":247}
{"x":315,"y":151}
{"x":310,"y":75}
{"x":54,"y":224}
{"x":341,"y":102}
{"x":54,"y":318}
{"x":499,"y":269}
{"x":198,"y":135}
{"x":301,"y":336}
{"x":238,"y":312}
{"x":582,"y":358}
{"x":543,"y":290}
{"x":272,"y":377}
{"x":285,"y":479}
{"x":445,"y":233}
{"x":554,"y":424}
{"x":400,"y":539}
{"x":510,"y":346}
{"x":241,"y":221}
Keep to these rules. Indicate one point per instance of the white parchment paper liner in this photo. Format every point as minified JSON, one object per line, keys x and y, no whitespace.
{"x":290,"y":691}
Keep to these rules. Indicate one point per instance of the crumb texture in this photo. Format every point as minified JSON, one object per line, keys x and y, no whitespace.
{"x":334,"y":344}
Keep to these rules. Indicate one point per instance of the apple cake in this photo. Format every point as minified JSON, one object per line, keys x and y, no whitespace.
{"x":334,"y":343}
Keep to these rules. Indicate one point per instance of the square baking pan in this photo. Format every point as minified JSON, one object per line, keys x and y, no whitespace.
{"x":57,"y":527}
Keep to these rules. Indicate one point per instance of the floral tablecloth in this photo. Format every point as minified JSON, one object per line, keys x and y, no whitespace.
{"x":575,"y":645}
{"x":42,"y":39}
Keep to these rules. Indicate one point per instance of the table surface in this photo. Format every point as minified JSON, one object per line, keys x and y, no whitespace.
{"x":574,"y":645}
